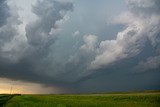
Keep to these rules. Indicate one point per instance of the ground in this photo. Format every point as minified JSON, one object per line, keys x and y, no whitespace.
{"x":120,"y":99}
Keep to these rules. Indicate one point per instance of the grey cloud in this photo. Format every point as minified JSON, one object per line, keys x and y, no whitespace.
{"x":40,"y":32}
{"x":35,"y":52}
{"x":90,"y":43}
{"x":31,"y":51}
{"x":76,"y":33}
{"x":129,"y":42}
{"x":143,"y":7}
{"x":76,"y":66}
{"x":41,"y":36}
{"x":151,"y":63}
{"x":8,"y":31}
{"x":3,"y":12}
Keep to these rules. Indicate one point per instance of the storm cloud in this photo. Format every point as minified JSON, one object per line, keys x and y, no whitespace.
{"x":45,"y":51}
{"x":4,"y":12}
{"x":22,"y":56}
{"x":142,"y":23}
{"x":150,"y":64}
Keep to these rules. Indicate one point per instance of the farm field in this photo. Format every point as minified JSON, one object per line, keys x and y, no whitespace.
{"x":124,"y":99}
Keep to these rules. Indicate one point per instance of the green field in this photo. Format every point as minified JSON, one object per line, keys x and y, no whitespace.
{"x":136,"y":99}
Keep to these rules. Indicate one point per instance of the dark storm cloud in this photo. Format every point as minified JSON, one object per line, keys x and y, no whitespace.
{"x":8,"y":28}
{"x":41,"y":34}
{"x":149,"y":64}
{"x":31,"y":57}
{"x":3,"y":12}
{"x":76,"y":66}
{"x":41,"y":31}
{"x":131,"y":61}
{"x":27,"y":60}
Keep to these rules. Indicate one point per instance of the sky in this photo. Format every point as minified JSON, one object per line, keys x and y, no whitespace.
{"x":79,"y":46}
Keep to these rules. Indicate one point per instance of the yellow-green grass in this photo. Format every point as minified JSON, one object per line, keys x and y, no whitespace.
{"x":138,"y":99}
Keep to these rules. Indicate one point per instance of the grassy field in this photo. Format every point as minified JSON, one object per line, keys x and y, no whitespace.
{"x":4,"y":98}
{"x":136,"y":99}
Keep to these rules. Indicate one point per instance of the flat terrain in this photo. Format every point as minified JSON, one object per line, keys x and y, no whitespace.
{"x":130,"y":99}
